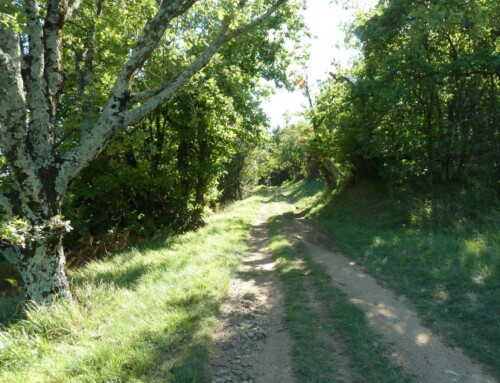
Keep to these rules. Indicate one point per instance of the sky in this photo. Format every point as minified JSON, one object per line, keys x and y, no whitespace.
{"x":325,"y":19}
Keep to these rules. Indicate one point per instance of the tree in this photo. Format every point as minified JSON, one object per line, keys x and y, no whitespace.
{"x":422,"y":100}
{"x":32,"y":85}
{"x":318,"y":156}
{"x":435,"y":61}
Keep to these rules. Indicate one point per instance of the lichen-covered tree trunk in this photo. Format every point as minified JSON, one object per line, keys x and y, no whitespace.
{"x":36,"y":242}
{"x":41,"y":265}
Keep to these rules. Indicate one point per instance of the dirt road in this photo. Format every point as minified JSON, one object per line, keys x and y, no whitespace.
{"x":256,"y":307}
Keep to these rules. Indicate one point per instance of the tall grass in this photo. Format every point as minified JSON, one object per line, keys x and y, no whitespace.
{"x":439,"y":247}
{"x":144,"y":315}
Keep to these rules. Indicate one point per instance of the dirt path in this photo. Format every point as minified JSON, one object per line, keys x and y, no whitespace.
{"x":252,"y":344}
{"x":414,"y":348}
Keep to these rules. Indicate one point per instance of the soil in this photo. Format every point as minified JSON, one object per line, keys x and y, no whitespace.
{"x":252,"y":342}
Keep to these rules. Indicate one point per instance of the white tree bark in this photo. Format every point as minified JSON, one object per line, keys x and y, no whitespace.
{"x":31,"y":83}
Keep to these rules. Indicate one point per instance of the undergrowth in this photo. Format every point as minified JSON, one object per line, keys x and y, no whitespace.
{"x":143,"y":315}
{"x":440,"y":247}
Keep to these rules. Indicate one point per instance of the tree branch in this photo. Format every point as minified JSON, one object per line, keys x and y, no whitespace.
{"x":85,"y":75}
{"x":341,"y":78}
{"x":137,"y":114}
{"x":159,"y":96}
{"x":256,"y":22}
{"x":12,"y":97}
{"x":24,"y":141}
{"x":141,"y":96}
{"x":112,"y":117}
{"x":151,"y":36}
{"x":72,"y":9}
{"x":52,"y":39}
{"x":34,"y":59}
{"x":39,"y":121}
{"x":116,"y":115}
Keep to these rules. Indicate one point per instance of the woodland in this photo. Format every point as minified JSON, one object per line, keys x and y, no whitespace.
{"x":122,"y":122}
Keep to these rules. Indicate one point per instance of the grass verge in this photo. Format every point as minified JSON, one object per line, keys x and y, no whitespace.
{"x":440,"y":248}
{"x":315,"y":330}
{"x":144,"y":315}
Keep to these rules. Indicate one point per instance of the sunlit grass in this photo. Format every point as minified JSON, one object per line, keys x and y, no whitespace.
{"x":440,"y":249}
{"x":144,"y":315}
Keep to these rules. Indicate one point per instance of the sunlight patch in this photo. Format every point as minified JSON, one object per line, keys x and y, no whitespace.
{"x":422,"y":339}
{"x":480,"y":277}
{"x":440,"y":294}
{"x":476,"y":246}
{"x":378,"y":242}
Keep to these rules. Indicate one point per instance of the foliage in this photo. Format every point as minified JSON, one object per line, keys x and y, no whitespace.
{"x":423,"y":99}
{"x":281,"y":157}
{"x":168,"y":80}
{"x":18,"y":231}
{"x":191,"y":152}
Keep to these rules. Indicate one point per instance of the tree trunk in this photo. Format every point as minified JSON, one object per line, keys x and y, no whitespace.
{"x":362,"y":168}
{"x":430,"y":140}
{"x":201,"y":189}
{"x":41,"y":264}
{"x":329,"y":172}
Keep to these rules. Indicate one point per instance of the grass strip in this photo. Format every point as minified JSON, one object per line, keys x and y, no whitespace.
{"x":144,"y":315}
{"x":313,"y":357}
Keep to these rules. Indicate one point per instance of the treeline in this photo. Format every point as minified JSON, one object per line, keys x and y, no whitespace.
{"x":422,"y":101}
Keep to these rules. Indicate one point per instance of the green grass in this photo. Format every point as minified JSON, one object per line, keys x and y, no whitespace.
{"x":144,"y":315}
{"x":313,"y":356}
{"x":440,"y":248}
